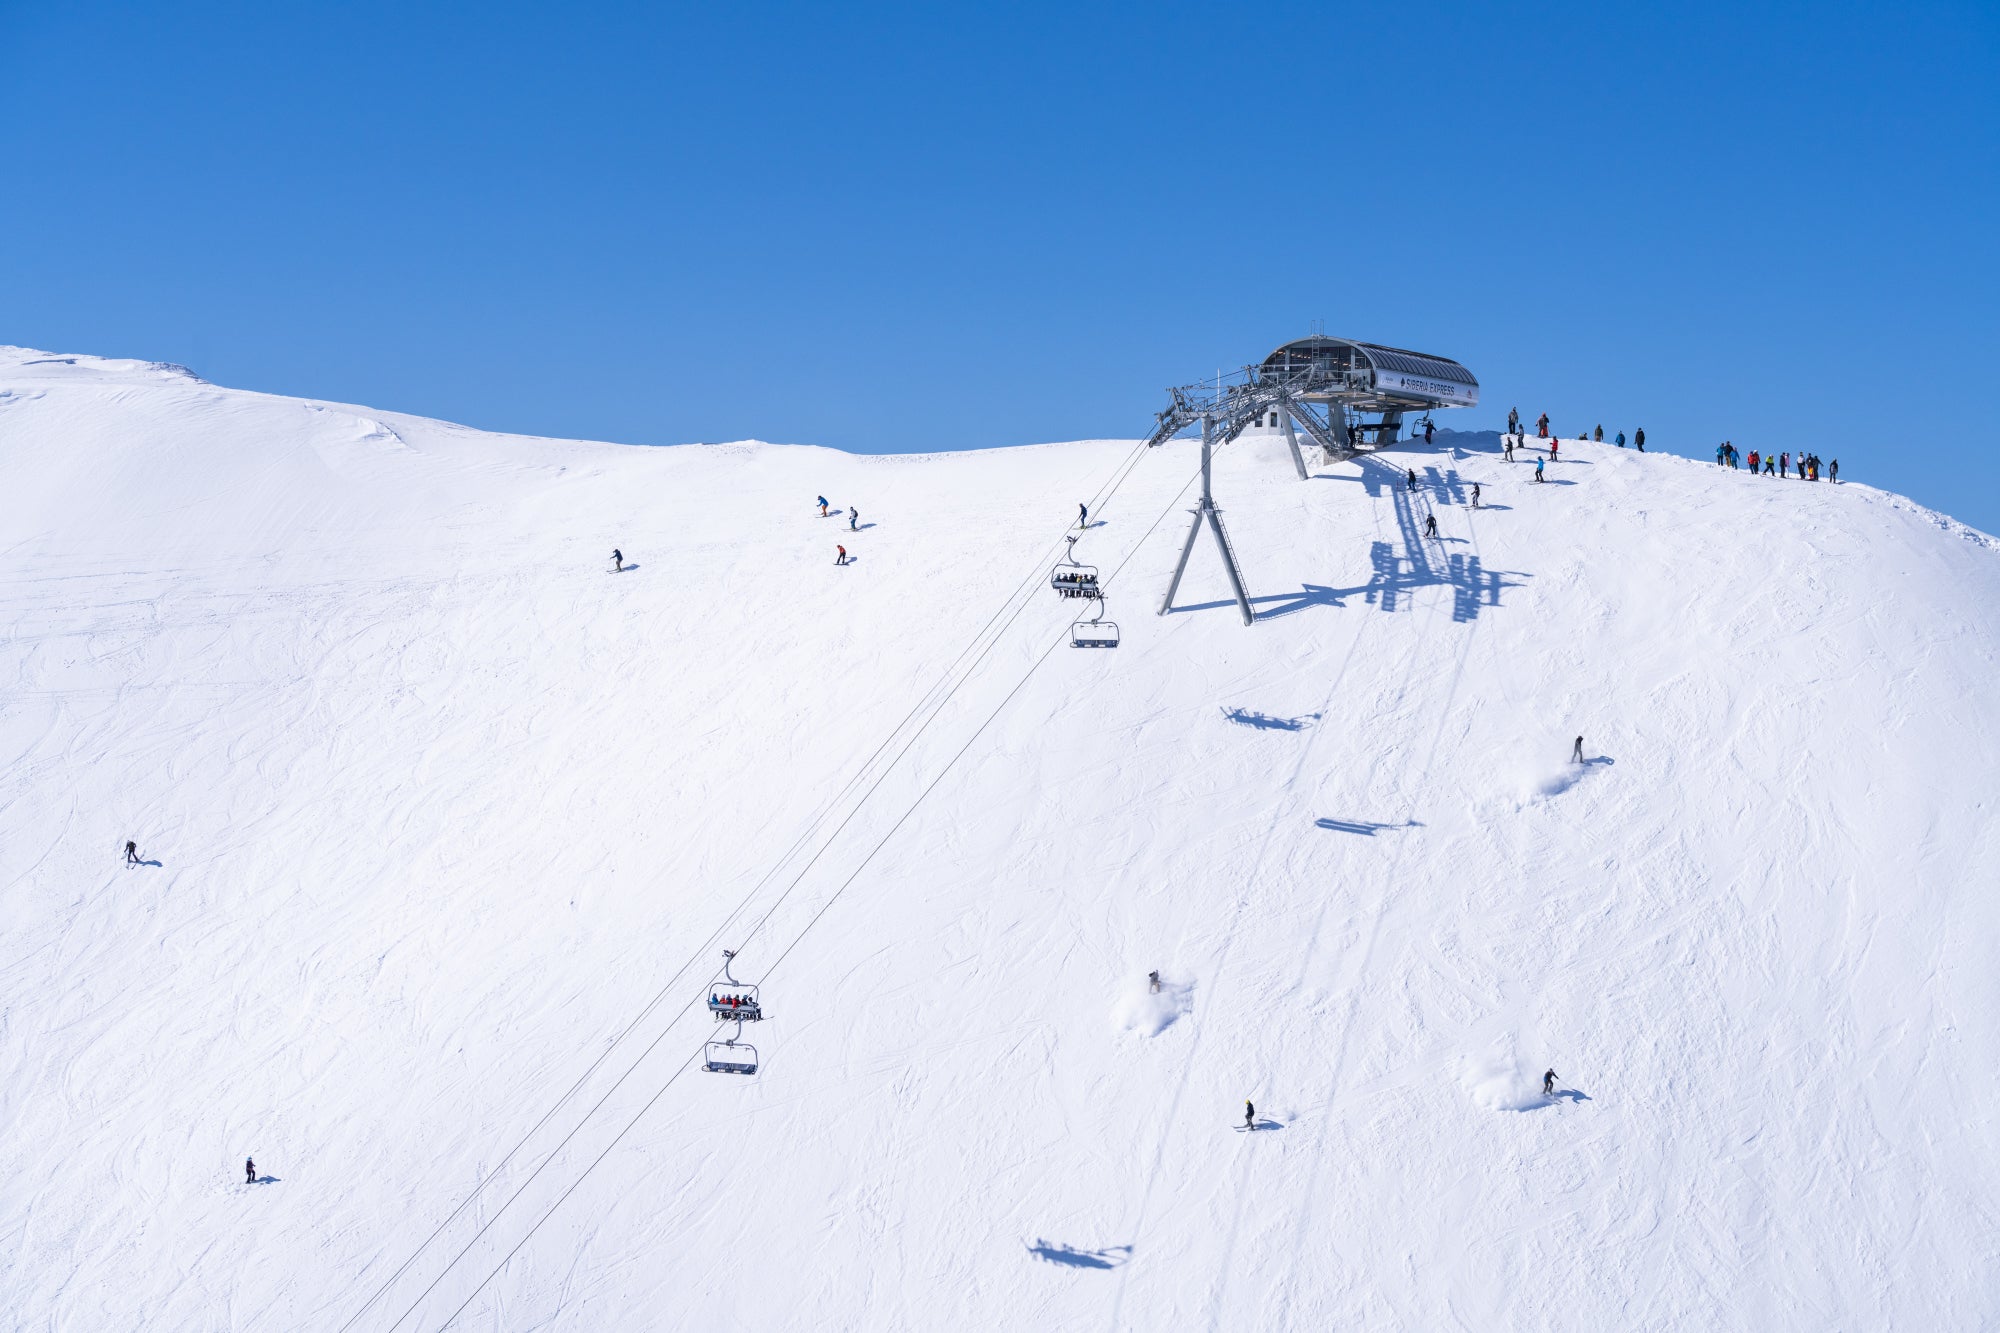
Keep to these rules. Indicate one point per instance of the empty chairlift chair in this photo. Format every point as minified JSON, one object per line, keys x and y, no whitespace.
{"x":1096,"y":632}
{"x":729,"y":1057}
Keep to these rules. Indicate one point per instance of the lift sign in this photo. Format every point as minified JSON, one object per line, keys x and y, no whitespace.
{"x":1464,"y":395}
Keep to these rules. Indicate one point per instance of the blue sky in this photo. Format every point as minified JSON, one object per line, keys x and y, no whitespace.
{"x":923,"y":226}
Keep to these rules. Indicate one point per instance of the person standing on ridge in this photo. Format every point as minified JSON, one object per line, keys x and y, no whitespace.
{"x":617,"y":561}
{"x":1598,"y":434}
{"x":1770,"y":465}
{"x":249,"y":1171}
{"x":1621,"y":439}
{"x":1639,"y":439}
{"x":1542,"y":427}
{"x":1833,"y":471}
{"x":1513,"y":421}
{"x":1249,"y":1115}
{"x":131,"y":852}
{"x":1549,"y":1083}
{"x":1576,"y":755}
{"x":822,"y":506}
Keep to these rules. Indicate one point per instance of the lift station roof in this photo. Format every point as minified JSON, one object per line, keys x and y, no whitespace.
{"x":1374,"y":377}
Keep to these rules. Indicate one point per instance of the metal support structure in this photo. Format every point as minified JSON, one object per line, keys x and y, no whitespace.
{"x":1292,"y":440}
{"x":1206,"y":512}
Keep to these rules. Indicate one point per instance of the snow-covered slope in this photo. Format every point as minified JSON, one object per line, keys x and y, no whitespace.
{"x":435,"y":807}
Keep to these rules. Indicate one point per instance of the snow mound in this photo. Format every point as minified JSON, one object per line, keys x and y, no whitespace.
{"x":1497,"y":1082}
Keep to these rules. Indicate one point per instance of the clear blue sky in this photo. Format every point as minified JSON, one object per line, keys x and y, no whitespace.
{"x":933,"y":226}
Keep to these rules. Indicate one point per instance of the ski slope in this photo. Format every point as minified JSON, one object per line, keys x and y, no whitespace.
{"x":436,"y":807}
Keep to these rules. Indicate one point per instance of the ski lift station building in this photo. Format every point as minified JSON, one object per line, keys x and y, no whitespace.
{"x":1348,"y":379}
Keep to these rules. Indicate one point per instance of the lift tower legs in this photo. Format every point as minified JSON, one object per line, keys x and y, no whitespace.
{"x":1206,"y":510}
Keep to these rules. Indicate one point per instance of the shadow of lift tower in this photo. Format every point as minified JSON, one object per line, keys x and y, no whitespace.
{"x":1336,"y":375}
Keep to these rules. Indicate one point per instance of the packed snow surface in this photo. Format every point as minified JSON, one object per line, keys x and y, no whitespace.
{"x":444,"y":826}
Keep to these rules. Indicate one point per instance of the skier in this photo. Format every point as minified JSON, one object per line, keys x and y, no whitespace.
{"x":1507,"y":447}
{"x":1430,"y":525}
{"x":249,"y":1171}
{"x":1475,"y":495}
{"x":853,"y":519}
{"x":841,"y":558}
{"x":131,"y":852}
{"x":1413,"y":478}
{"x":1639,"y":439}
{"x":1153,"y":978}
{"x":1083,"y":516}
{"x":1621,"y":439}
{"x":1833,"y":471}
{"x":1576,"y":755}
{"x":617,"y":561}
{"x":1538,"y":469}
{"x":1249,"y":1116}
{"x":1549,"y":1083}
{"x":822,"y":506}
{"x":1598,"y":434}
{"x":1542,"y":426}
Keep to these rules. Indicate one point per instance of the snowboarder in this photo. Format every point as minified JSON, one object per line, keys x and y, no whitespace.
{"x":1430,"y":525}
{"x":131,"y":852}
{"x":1153,"y":979}
{"x":1639,"y":439}
{"x":1576,"y":755}
{"x":1538,"y":468}
{"x":1475,"y":495}
{"x":1412,"y":478}
{"x":841,"y":557}
{"x":1621,"y":439}
{"x":1249,"y":1115}
{"x":249,"y":1171}
{"x":1549,"y":1083}
{"x":1083,"y":516}
{"x":853,"y":519}
{"x":1833,"y":471}
{"x":822,"y":506}
{"x":617,"y":561}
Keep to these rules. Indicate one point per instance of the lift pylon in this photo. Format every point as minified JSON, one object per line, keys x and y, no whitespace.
{"x":1206,"y":512}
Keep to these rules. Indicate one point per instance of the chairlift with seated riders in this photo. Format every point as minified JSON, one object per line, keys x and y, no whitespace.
{"x":732,"y":1002}
{"x":1072,"y":579}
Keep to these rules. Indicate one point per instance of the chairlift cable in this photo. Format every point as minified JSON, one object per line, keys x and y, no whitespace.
{"x":796,"y":940}
{"x":1099,"y":500}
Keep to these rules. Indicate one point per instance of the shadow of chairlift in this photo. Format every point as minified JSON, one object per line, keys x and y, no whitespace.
{"x":732,"y":1002}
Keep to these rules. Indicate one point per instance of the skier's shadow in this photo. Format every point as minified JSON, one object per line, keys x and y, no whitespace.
{"x":265,"y":1180}
{"x":155,"y":864}
{"x":863,"y":528}
{"x":1113,"y":1256}
{"x":1261,"y":1124}
{"x":1564,"y":1095}
{"x":630,"y":565}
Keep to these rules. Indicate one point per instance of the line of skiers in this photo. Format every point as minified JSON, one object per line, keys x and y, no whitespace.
{"x":1779,"y":464}
{"x":1542,"y":432}
{"x":840,"y":555}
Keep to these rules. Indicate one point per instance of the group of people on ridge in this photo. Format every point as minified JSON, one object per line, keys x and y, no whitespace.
{"x":1779,"y":464}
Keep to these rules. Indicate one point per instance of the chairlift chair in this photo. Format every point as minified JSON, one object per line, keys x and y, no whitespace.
{"x":734,"y":1003}
{"x":1071,"y":579}
{"x":729,"y":1057}
{"x":1096,"y":632}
